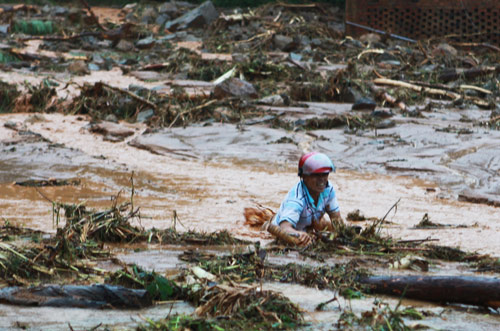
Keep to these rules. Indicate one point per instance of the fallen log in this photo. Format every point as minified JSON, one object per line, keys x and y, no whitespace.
{"x":478,"y":291}
{"x":417,"y":88}
{"x":432,"y":91}
{"x":99,"y":296}
{"x":452,"y":74}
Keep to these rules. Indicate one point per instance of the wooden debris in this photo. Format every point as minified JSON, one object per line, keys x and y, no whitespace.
{"x":432,"y":91}
{"x":479,"y":291}
{"x":97,"y":296}
{"x":454,"y":74}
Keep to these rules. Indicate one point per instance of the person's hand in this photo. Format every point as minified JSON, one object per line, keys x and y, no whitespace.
{"x":303,"y":238}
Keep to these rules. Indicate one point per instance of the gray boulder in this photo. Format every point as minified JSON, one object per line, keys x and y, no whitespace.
{"x":196,"y":18}
{"x":234,"y":87}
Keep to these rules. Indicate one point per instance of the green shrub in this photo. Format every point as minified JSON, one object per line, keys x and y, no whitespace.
{"x":34,"y":27}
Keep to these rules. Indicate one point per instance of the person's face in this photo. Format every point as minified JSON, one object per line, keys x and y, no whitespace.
{"x":316,"y":183}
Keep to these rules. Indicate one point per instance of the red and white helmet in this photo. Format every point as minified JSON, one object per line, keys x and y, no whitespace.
{"x":315,"y":163}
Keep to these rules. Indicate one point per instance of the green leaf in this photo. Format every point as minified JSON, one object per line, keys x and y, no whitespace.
{"x":160,"y":287}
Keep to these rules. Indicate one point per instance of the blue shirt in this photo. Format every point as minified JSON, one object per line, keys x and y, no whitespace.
{"x":299,"y":209}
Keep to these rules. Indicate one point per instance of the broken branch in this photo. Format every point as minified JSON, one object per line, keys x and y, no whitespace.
{"x":431,"y":91}
{"x":91,"y":12}
{"x":132,"y":95}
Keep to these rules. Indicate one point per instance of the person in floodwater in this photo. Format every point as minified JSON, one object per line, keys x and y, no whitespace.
{"x":308,"y":201}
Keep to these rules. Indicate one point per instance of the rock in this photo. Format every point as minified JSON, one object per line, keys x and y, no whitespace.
{"x":145,"y":115}
{"x":46,"y":9}
{"x":190,"y":37}
{"x":445,"y":50}
{"x":105,"y":44}
{"x":125,"y":46}
{"x":162,"y":19}
{"x":234,"y":87}
{"x":295,"y":56}
{"x":111,"y":118}
{"x":4,"y":29}
{"x":316,"y":42}
{"x":272,"y":100}
{"x":94,"y":67}
{"x":110,"y":129}
{"x":382,"y":113}
{"x":370,"y":38}
{"x":169,"y":8}
{"x":364,"y":104}
{"x":304,"y":41}
{"x":145,"y":43}
{"x":78,"y":68}
{"x":196,"y":18}
{"x":149,"y":15}
{"x":59,"y":11}
{"x":283,"y":43}
{"x":241,"y":58}
{"x":385,"y":124}
{"x":97,"y":59}
{"x":388,"y":58}
{"x":349,"y":95}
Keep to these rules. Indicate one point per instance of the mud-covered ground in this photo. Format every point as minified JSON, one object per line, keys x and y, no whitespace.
{"x":201,"y":162}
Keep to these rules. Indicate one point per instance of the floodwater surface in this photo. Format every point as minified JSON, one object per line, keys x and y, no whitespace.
{"x":209,"y":192}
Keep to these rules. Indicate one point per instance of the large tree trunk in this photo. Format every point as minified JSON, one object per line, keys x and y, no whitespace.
{"x":92,"y":296}
{"x":480,"y":291}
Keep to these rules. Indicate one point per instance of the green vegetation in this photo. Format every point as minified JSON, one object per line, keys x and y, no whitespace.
{"x":34,"y":27}
{"x":158,"y":287}
{"x":381,"y":317}
{"x":8,"y":95}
